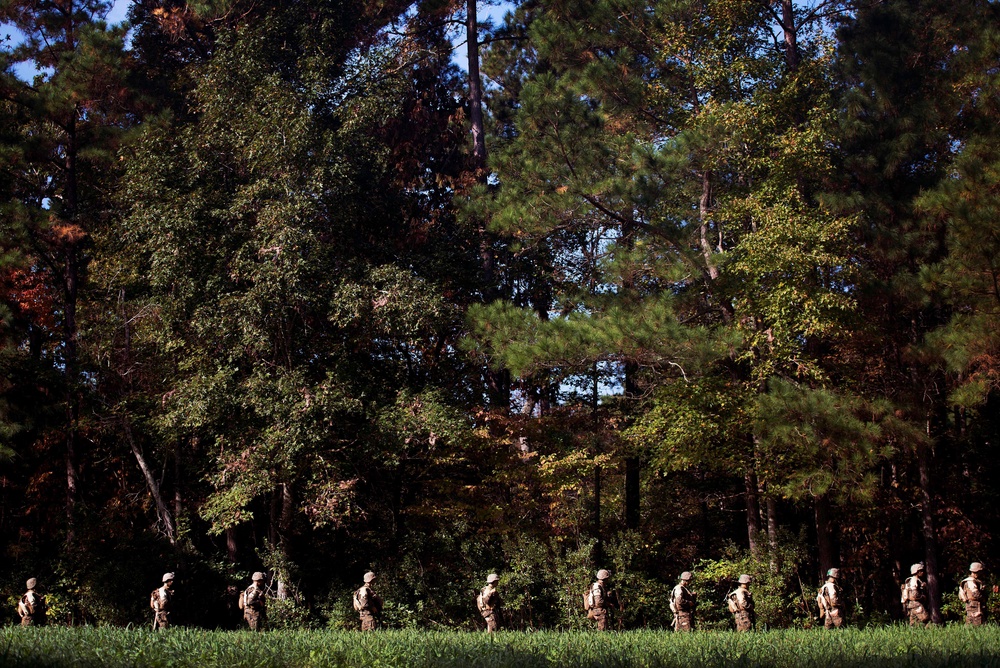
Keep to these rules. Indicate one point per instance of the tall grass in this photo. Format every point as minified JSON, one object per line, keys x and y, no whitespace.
{"x":954,"y":646}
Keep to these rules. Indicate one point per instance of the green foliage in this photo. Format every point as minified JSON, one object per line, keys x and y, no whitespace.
{"x":816,"y":442}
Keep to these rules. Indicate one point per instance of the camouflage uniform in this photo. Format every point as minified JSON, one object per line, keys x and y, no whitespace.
{"x":489,"y":602}
{"x":160,"y":600}
{"x":368,"y":604}
{"x":971,"y":592}
{"x":31,"y":607}
{"x":682,"y":604}
{"x":830,"y":601}
{"x":600,"y":600}
{"x":915,"y":597}
{"x":253,"y":602}
{"x":742,"y":606}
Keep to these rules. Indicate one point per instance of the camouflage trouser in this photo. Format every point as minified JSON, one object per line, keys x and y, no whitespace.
{"x":491,"y":621}
{"x":255,"y":618}
{"x":161,"y":620}
{"x":368,"y":622}
{"x":918,"y":614}
{"x":973,"y":613}
{"x":744,"y":621}
{"x":600,"y":615}
{"x":833,"y":619}
{"x":683,"y":621}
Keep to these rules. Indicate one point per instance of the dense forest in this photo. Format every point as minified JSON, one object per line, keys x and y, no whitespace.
{"x":315,"y":287}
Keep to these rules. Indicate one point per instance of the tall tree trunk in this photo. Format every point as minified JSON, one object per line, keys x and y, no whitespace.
{"x":791,"y":36}
{"x":595,"y":398}
{"x":231,"y":545}
{"x":704,"y":213}
{"x":70,"y":295}
{"x":287,"y":506}
{"x":825,"y":543}
{"x":498,"y":381}
{"x":772,"y":533}
{"x":632,"y":463}
{"x":929,"y":533}
{"x":753,"y":511}
{"x":475,"y":90}
{"x":178,"y":497}
{"x":162,"y":510}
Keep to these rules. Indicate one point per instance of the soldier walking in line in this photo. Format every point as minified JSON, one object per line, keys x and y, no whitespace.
{"x":368,"y":604}
{"x":600,"y":600}
{"x":830,"y":600}
{"x":682,"y":604}
{"x":740,"y":602}
{"x":160,"y":602}
{"x":972,"y":593}
{"x":31,"y":607}
{"x":253,"y":603}
{"x":914,"y":598}
{"x":488,"y":601}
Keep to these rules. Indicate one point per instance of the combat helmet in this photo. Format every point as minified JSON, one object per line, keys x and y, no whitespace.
{"x":745,"y":579}
{"x":31,"y":583}
{"x":257,"y":576}
{"x":686,"y":575}
{"x":603,"y":574}
{"x":975,"y":567}
{"x":369,"y":576}
{"x":916,"y":568}
{"x":833,"y":573}
{"x":168,"y":577}
{"x":492,"y":577}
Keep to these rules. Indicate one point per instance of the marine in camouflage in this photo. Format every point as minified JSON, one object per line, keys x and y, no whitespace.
{"x":368,"y":604}
{"x":972,"y":593}
{"x":489,"y":603}
{"x":31,"y":608}
{"x":741,"y":604}
{"x":160,"y":601}
{"x":830,"y":600}
{"x":682,"y":604}
{"x":254,"y":603}
{"x":915,"y":597}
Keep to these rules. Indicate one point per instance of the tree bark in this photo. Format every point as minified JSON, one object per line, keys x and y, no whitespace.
{"x":753,"y":511}
{"x":825,"y":542}
{"x":70,"y":296}
{"x":231,"y":546}
{"x":790,"y":31}
{"x":929,"y":533}
{"x":633,"y":509}
{"x":287,"y":506}
{"x":475,"y":89}
{"x":704,"y":211}
{"x":162,"y":509}
{"x":772,"y":533}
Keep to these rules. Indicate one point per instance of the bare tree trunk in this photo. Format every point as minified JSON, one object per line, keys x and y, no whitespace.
{"x":929,"y":533}
{"x":231,"y":547}
{"x":633,"y":510}
{"x":753,"y":511}
{"x":178,"y":498}
{"x":825,"y":543}
{"x":772,"y":532}
{"x":71,"y":291}
{"x":704,"y":212}
{"x":475,"y":89}
{"x":791,"y":34}
{"x":162,"y":510}
{"x":287,"y":501}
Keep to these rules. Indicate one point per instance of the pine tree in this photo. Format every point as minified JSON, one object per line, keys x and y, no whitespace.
{"x":72,"y":115}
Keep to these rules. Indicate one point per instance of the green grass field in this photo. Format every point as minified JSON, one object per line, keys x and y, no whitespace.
{"x":115,"y":647}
